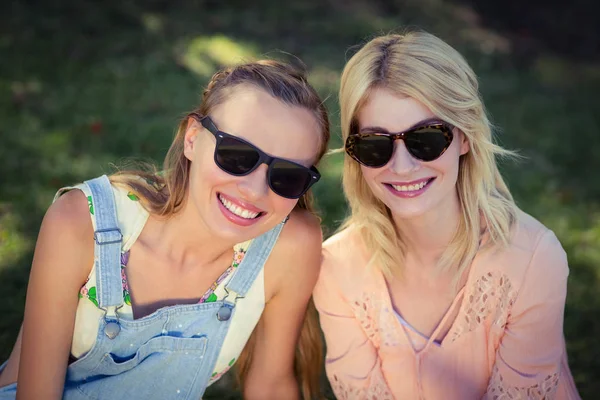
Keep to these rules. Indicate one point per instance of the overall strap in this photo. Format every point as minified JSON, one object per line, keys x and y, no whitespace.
{"x":108,"y":240}
{"x":258,"y":252}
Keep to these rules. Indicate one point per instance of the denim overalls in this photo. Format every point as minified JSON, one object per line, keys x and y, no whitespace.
{"x":169,"y":354}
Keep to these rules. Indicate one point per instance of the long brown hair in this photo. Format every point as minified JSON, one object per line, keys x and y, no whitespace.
{"x":163,"y":192}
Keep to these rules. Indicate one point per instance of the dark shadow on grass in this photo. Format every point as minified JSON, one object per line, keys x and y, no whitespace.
{"x":565,"y":28}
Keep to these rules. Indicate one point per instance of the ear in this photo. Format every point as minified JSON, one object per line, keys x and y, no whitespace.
{"x":464,"y":143}
{"x":189,"y":138}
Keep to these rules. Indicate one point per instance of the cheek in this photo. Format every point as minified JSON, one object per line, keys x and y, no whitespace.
{"x":448,"y":163}
{"x":369,"y":174}
{"x":204,"y":173}
{"x":447,"y":167}
{"x":282,"y":205}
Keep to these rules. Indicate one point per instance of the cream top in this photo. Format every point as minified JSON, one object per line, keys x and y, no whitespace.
{"x":132,"y":217}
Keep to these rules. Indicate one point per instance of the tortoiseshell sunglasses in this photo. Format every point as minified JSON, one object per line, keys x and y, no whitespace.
{"x":425,"y":142}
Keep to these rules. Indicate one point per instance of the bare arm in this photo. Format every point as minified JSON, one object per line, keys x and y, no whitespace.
{"x":61,"y":263}
{"x":290,"y":275}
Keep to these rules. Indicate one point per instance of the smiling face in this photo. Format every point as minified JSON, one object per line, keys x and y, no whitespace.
{"x":238,"y":208}
{"x":410,"y":188}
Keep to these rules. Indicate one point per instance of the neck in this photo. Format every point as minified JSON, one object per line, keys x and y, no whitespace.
{"x":427,"y":236}
{"x":184,"y":239}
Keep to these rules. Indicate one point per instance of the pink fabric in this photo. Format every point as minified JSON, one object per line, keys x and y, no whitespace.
{"x":505,"y":343}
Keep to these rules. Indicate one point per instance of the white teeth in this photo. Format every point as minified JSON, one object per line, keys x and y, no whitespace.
{"x":237,"y":210}
{"x":410,"y":188}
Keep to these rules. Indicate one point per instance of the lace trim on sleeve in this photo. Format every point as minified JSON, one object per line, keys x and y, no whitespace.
{"x":363,"y":309}
{"x":491,"y":296}
{"x":376,"y":390}
{"x":498,"y":389}
{"x":376,"y":320}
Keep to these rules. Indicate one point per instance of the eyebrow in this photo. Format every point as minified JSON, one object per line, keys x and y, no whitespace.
{"x":378,"y":129}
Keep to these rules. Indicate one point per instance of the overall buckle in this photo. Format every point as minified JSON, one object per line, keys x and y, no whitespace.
{"x":108,"y":236}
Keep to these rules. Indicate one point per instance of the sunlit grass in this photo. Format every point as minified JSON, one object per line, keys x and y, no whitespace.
{"x":203,"y":55}
{"x":13,"y":243}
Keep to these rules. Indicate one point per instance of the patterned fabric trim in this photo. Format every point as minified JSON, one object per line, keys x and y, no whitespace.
{"x":498,"y":389}
{"x":89,"y":291}
{"x":208,"y":297}
{"x":376,"y":390}
{"x":492,"y":295}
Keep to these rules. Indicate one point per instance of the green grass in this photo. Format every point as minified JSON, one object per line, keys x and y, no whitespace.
{"x":84,"y":84}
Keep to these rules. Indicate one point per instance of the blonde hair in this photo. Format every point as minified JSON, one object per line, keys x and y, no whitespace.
{"x":423,"y":67}
{"x":164,"y":192}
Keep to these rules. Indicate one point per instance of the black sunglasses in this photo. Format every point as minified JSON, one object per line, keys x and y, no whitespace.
{"x":425,"y":142}
{"x":239,"y":157}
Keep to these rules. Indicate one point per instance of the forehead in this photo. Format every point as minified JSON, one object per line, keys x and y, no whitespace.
{"x":385,"y":109}
{"x":279,"y":129}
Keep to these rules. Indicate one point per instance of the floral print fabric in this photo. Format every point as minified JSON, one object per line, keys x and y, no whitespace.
{"x":132,"y":218}
{"x":88,"y":290}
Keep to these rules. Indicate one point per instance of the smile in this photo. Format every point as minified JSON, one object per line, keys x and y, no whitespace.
{"x":237,"y":210}
{"x":409,"y":189}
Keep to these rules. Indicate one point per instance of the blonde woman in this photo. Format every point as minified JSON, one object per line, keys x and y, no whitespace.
{"x":148,"y":285}
{"x":438,"y":286}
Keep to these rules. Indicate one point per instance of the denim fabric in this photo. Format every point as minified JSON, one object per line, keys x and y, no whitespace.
{"x":169,"y":354}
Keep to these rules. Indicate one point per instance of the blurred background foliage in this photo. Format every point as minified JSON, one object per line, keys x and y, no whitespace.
{"x":84,"y":84}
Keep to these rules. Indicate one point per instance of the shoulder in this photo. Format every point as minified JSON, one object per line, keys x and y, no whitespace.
{"x":65,"y":240}
{"x":548,"y":259}
{"x":345,"y":261}
{"x":538,"y":242}
{"x":131,"y":215}
{"x":533,"y":251}
{"x":302,"y":227}
{"x":128,"y":204}
{"x":70,"y":212}
{"x":296,"y":255}
{"x":300,"y":235}
{"x":527,"y":231}
{"x":344,"y":244}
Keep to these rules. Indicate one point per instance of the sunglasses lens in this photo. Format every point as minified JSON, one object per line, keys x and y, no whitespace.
{"x":288,"y":179}
{"x":373,"y":150}
{"x":427,"y":143}
{"x":235,"y":156}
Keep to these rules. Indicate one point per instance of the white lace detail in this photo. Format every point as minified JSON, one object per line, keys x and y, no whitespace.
{"x":376,"y":320}
{"x":500,"y":390}
{"x":377,"y":389}
{"x":491,"y":295}
{"x":363,"y":310}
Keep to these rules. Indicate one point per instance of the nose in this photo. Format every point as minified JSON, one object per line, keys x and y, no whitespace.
{"x":254,"y":185}
{"x":402,"y":161}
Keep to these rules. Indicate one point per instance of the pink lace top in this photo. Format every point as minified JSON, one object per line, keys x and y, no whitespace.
{"x":506,"y":341}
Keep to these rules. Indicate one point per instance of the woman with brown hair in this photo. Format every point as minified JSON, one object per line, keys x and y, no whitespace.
{"x":149,"y":285}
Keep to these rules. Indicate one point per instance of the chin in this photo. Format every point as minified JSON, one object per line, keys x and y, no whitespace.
{"x":408,"y":214}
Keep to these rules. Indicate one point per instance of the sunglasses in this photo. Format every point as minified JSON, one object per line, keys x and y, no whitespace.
{"x":239,"y":158}
{"x":425,"y":142}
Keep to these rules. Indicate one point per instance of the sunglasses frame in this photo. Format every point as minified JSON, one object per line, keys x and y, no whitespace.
{"x":445,"y":128}
{"x":263,"y":158}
